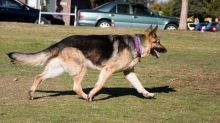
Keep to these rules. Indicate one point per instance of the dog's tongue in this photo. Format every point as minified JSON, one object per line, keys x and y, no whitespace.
{"x":156,"y":53}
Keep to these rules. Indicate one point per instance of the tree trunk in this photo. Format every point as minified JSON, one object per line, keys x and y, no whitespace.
{"x":184,"y":15}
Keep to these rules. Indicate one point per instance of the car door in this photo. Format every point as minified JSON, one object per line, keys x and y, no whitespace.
{"x":122,"y":17}
{"x":3,"y":11}
{"x":142,"y":17}
{"x":14,"y":11}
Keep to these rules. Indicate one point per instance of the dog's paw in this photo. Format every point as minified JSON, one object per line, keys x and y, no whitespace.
{"x":149,"y":95}
{"x":84,"y":96}
{"x":90,"y":98}
{"x":30,"y":94}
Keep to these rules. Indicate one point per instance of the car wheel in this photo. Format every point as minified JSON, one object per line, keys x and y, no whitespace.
{"x":171,"y":27}
{"x":42,"y":21}
{"x":104,"y":24}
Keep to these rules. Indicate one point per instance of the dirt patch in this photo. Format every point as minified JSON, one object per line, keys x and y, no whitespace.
{"x":198,"y":79}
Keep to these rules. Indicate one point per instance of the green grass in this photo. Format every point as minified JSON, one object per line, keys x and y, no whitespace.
{"x":186,"y":80}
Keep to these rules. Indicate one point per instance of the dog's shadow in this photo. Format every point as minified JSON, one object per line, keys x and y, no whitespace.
{"x":111,"y":92}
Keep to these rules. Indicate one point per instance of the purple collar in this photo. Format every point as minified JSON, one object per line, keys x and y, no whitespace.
{"x":137,"y":45}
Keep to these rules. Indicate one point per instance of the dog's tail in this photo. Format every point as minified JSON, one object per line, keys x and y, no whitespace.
{"x":34,"y":59}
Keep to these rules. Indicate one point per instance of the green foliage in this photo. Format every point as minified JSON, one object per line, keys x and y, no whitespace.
{"x":204,"y":8}
{"x":166,"y":8}
{"x":214,"y":8}
{"x":156,"y":7}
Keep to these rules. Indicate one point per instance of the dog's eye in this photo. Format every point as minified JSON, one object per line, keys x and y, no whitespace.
{"x":158,"y":40}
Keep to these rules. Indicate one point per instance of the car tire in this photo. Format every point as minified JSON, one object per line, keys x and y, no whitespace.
{"x":104,"y":24}
{"x":43,"y":21}
{"x":171,"y":27}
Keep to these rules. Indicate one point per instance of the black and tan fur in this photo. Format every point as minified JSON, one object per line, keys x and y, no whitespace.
{"x":107,"y":53}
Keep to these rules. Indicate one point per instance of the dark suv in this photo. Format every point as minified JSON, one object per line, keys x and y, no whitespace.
{"x":16,"y":11}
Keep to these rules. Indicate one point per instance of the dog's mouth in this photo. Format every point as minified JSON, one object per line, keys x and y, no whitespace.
{"x":156,"y":51}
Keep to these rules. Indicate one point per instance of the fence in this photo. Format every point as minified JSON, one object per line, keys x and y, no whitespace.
{"x":57,"y":13}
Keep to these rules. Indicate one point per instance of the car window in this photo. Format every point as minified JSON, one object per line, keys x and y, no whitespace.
{"x":1,"y":3}
{"x":113,"y":10}
{"x":108,"y":7}
{"x":123,"y":9}
{"x":139,"y":10}
{"x":11,"y":4}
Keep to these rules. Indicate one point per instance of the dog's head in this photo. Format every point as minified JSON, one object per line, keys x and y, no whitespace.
{"x":154,"y":42}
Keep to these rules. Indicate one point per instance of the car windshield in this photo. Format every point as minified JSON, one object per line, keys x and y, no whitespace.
{"x":156,"y":14}
{"x":107,"y":7}
{"x":10,"y":4}
{"x":153,"y":13}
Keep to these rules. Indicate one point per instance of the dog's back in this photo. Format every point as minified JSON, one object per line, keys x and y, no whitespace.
{"x":96,"y":48}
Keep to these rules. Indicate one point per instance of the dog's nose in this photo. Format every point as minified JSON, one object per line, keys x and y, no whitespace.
{"x":164,"y":50}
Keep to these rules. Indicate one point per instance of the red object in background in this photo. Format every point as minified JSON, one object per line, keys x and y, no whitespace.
{"x":213,"y":28}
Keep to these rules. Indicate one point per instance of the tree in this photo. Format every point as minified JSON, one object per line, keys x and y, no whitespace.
{"x":155,"y":7}
{"x":166,"y":7}
{"x":184,"y":15}
{"x":197,"y":8}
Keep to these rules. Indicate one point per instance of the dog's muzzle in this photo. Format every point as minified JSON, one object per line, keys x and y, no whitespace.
{"x":156,"y":51}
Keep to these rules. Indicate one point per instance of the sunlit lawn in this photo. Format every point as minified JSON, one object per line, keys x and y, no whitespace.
{"x":186,"y":80}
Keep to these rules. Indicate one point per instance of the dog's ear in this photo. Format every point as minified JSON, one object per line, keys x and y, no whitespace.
{"x":151,"y":31}
{"x":155,"y":28}
{"x":148,"y":30}
{"x":151,"y":27}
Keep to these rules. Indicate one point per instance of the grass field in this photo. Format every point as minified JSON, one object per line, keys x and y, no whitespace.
{"x":186,"y":80}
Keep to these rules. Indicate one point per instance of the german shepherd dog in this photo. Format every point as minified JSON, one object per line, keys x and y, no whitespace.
{"x":107,"y":53}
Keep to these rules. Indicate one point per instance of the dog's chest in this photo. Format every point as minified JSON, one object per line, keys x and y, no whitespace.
{"x":132,"y":63}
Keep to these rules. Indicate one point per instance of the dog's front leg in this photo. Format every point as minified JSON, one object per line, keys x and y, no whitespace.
{"x":105,"y":73}
{"x":132,"y":78}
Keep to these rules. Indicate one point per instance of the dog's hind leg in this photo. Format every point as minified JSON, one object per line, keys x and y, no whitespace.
{"x":105,"y":73}
{"x":38,"y":79}
{"x":52,"y":69}
{"x":132,"y":78}
{"x":77,"y":82}
{"x":73,"y":62}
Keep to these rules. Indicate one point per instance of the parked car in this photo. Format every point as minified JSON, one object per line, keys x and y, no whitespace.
{"x":200,"y":26}
{"x":123,"y":14}
{"x":191,"y":26}
{"x":16,"y":11}
{"x":211,"y":26}
{"x":218,"y":27}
